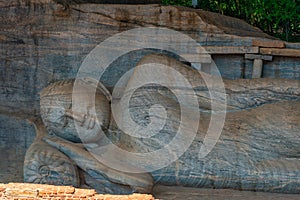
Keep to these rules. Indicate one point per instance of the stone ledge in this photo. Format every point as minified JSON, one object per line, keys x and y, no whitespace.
{"x":37,"y":191}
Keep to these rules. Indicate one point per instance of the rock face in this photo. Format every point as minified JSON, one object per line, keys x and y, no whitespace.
{"x":16,"y":137}
{"x":42,"y":42}
{"x":45,"y":43}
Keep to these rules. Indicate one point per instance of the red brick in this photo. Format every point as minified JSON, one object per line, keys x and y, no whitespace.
{"x":65,"y":190}
{"x":24,"y":191}
{"x":29,"y":193}
{"x":85,"y":192}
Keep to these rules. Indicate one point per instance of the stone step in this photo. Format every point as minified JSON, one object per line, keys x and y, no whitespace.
{"x":176,"y":192}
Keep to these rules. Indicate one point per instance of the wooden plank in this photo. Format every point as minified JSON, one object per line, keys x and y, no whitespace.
{"x":257,"y":56}
{"x":290,"y":45}
{"x":197,"y":58}
{"x":269,"y":43}
{"x":281,"y":52}
{"x":231,"y":49}
{"x":257,"y":68}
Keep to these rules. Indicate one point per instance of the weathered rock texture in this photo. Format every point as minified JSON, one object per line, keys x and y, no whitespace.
{"x":42,"y":42}
{"x":16,"y":136}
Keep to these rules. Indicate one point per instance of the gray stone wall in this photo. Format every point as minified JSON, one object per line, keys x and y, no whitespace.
{"x":280,"y":67}
{"x":230,"y":66}
{"x":15,"y":137}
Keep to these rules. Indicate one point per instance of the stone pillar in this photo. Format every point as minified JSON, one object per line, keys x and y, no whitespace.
{"x":257,"y":68}
{"x":258,"y":61}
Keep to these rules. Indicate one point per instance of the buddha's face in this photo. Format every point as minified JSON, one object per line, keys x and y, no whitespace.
{"x":84,"y":123}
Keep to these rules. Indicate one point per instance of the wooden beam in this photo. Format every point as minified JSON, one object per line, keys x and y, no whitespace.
{"x":280,"y":52}
{"x":269,"y":43}
{"x":257,"y":56}
{"x":197,"y":58}
{"x":230,"y":49}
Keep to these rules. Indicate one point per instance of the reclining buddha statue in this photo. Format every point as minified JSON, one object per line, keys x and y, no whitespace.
{"x":258,"y":148}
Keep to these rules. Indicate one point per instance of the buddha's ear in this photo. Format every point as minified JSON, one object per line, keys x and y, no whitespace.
{"x":99,"y":86}
{"x":105,"y":91}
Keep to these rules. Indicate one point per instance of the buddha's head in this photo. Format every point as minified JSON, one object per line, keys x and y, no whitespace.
{"x":84,"y":122}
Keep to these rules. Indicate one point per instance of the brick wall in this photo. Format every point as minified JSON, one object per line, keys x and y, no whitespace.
{"x":22,"y":191}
